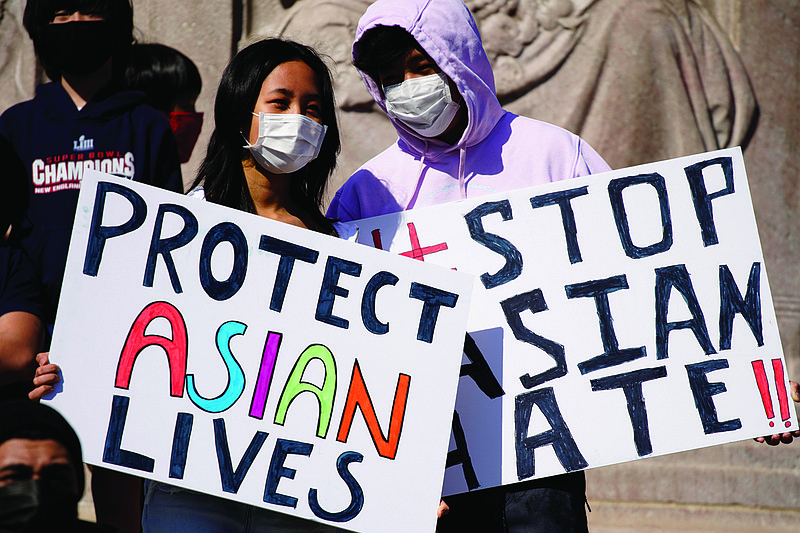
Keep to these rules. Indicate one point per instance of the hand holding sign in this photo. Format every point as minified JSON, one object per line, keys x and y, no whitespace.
{"x":784,"y":438}
{"x":46,"y":377}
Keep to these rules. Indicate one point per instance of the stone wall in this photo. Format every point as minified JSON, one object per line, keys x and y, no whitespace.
{"x":553,"y":61}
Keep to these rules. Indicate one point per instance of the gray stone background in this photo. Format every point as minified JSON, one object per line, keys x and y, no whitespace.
{"x":640,"y":80}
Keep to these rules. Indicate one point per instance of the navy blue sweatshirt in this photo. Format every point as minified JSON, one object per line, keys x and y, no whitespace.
{"x":114,"y":133}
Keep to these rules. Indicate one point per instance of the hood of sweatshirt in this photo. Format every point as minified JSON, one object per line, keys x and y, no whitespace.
{"x":447,"y":32}
{"x":54,"y":103}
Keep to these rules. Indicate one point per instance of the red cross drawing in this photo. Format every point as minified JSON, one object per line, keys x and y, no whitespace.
{"x":417,"y":252}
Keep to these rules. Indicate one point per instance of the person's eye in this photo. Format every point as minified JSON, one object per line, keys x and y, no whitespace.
{"x":61,"y":16}
{"x":58,"y":481}
{"x":14,"y":476}
{"x":427,"y":69}
{"x":60,"y":476}
{"x":392,"y":79}
{"x":314,"y":110}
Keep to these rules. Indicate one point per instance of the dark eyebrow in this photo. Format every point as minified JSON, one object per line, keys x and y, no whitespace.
{"x":289,"y":92}
{"x":417,"y":60}
{"x":58,"y":472}
{"x":57,"y":467}
{"x":284,"y":92}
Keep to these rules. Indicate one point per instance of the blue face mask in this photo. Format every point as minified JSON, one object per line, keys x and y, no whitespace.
{"x":423,"y":104}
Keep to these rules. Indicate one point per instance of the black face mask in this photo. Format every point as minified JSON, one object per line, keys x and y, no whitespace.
{"x":79,"y":47}
{"x":32,"y":506}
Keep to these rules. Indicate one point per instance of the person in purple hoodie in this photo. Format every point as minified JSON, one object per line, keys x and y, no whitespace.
{"x":424,"y":65}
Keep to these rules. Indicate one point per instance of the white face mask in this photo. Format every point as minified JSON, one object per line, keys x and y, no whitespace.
{"x":286,"y":142}
{"x":423,"y":104}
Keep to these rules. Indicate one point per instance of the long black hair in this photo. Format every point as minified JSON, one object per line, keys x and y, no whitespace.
{"x":221,"y":172}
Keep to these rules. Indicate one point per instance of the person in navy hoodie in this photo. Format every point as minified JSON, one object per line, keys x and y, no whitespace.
{"x":81,"y":120}
{"x":84,"y":119}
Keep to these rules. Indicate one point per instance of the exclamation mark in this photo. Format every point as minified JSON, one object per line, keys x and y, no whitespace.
{"x":763,"y":388}
{"x":376,"y":239}
{"x":783,"y":399}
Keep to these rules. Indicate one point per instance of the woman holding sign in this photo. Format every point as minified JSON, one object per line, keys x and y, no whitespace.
{"x":271,"y":154}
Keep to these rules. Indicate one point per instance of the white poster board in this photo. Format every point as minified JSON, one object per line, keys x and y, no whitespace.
{"x":248,"y":359}
{"x":615,"y":317}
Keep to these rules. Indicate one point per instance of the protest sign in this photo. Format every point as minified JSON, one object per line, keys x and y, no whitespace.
{"x":614,"y":317}
{"x":249,"y":359}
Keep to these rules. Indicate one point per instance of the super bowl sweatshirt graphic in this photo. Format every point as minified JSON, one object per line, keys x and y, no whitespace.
{"x":113,"y":133}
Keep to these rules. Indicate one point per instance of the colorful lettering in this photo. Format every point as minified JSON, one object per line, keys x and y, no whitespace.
{"x":296,"y":386}
{"x":265,"y":372}
{"x":235,"y":387}
{"x":358,"y":396}
{"x":137,"y":341}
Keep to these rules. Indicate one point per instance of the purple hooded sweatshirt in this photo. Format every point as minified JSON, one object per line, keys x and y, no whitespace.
{"x":498,"y":150}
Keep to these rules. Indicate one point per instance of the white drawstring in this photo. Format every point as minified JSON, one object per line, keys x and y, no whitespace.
{"x":462,"y":183}
{"x":420,"y":173}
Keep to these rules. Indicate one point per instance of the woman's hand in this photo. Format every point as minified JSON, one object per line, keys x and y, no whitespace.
{"x":443,"y":509}
{"x":45,"y":378}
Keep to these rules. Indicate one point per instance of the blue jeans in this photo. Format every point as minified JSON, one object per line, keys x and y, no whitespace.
{"x":170,"y":509}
